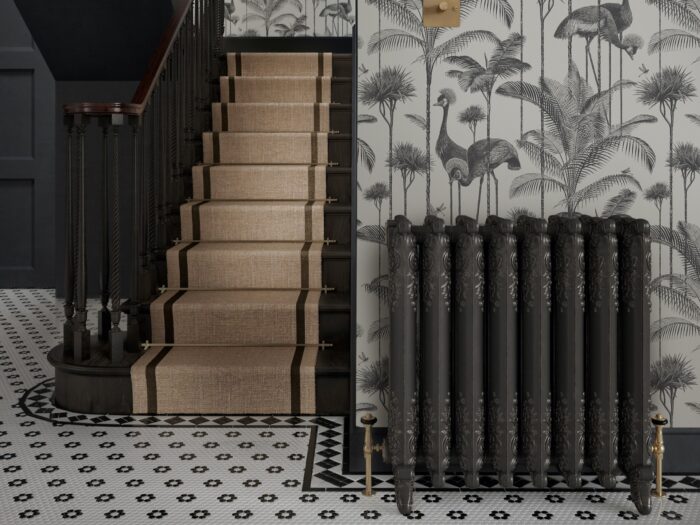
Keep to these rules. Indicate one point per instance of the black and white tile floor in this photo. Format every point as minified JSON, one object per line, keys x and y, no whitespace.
{"x":60,"y":467}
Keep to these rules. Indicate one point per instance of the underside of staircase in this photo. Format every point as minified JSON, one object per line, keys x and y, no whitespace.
{"x":255,"y":317}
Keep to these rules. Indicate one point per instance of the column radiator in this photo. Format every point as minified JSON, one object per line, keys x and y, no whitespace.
{"x":520,"y":348}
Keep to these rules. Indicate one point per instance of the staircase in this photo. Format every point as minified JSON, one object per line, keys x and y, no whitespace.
{"x":255,"y":317}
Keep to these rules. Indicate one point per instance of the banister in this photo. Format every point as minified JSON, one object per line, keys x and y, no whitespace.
{"x":156,"y":65}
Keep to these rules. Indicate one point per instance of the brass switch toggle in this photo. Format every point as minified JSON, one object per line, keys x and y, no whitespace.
{"x":441,"y":13}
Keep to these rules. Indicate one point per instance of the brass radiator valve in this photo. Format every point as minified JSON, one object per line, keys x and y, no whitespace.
{"x":657,"y":449}
{"x":368,"y":420}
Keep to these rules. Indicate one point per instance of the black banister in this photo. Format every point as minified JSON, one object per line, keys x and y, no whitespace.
{"x":162,"y":124}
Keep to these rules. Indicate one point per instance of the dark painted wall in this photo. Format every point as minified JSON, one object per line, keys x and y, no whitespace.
{"x":26,"y":156}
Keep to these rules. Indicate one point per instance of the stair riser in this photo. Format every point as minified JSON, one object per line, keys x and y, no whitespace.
{"x":276,"y":91}
{"x":338,"y":185}
{"x":269,"y":118}
{"x":210,"y":222}
{"x":337,"y":227}
{"x":342,"y":65}
{"x":335,"y":273}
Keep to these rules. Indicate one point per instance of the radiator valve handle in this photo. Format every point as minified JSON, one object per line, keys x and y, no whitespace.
{"x":368,"y":420}
{"x":657,"y":449}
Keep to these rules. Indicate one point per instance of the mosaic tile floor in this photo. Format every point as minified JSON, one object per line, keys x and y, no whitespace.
{"x":58,"y":467}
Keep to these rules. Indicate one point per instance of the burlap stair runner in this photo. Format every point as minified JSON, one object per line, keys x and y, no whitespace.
{"x":265,"y":148}
{"x":237,"y":328}
{"x":231,"y":181}
{"x":244,"y":265}
{"x":259,"y":117}
{"x":252,"y":220}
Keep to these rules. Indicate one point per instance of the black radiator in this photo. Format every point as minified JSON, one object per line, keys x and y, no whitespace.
{"x":520,"y":348}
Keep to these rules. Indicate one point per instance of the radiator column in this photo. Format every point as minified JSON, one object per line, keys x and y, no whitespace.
{"x":633,"y":387}
{"x":400,"y":445}
{"x":568,"y":274}
{"x":535,"y":280}
{"x":502,"y":347}
{"x":435,"y":366}
{"x":468,"y":347}
{"x":601,"y":348}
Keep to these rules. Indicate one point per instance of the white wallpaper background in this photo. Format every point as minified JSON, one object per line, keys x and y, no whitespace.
{"x":288,"y":17}
{"x":621,"y":173}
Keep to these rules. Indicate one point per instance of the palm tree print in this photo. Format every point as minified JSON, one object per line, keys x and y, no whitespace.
{"x":669,"y":375}
{"x":546,"y":7}
{"x":678,"y":292}
{"x":411,"y":33}
{"x":271,"y":12}
{"x":686,"y":159}
{"x":666,"y":89}
{"x":477,"y":78}
{"x":471,"y":117}
{"x":657,"y":193}
{"x":686,"y":14}
{"x":578,"y":143}
{"x":377,"y":193}
{"x":386,"y":89}
{"x":409,"y":161}
{"x":374,"y":380}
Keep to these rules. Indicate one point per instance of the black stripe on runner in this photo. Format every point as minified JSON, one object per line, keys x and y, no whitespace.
{"x":231,"y":89}
{"x":196,"y":226}
{"x":168,"y":316}
{"x":182,"y":259}
{"x":151,"y":386}
{"x":319,"y":89}
{"x":314,"y":148}
{"x":317,"y":117}
{"x":224,"y":116}
{"x":311,"y":181}
{"x":206,"y":182}
{"x":216,"y":154}
{"x":239,"y":68}
{"x":320,"y":64}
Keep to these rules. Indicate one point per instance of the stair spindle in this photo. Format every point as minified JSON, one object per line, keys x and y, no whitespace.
{"x":81,"y":334}
{"x":103,"y":316}
{"x":116,"y":336}
{"x":69,"y":270}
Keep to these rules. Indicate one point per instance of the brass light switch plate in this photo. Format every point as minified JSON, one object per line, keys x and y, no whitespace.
{"x":441,"y":13}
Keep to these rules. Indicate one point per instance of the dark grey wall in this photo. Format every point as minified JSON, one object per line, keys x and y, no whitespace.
{"x":26,"y":156}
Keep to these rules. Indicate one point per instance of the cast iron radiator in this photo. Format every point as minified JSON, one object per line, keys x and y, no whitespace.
{"x":520,"y":348}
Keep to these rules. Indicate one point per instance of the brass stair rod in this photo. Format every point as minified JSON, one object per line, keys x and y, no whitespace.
{"x":658,"y":449}
{"x":323,"y":289}
{"x":146,"y":345}
{"x":324,"y":241}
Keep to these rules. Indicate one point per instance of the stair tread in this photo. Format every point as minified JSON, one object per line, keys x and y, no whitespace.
{"x":330,"y":361}
{"x":330,"y":251}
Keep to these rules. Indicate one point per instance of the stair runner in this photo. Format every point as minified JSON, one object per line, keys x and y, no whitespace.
{"x":237,"y":330}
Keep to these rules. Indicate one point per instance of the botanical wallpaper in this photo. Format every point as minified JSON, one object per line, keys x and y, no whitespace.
{"x":578,"y":106}
{"x":288,"y":17}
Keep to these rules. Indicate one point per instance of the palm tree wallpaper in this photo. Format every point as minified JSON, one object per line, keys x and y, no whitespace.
{"x":534,"y":108}
{"x":285,"y":18}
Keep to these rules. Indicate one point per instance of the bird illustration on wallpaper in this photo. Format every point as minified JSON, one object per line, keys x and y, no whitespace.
{"x":288,"y":18}
{"x":481,"y":159}
{"x":412,"y":34}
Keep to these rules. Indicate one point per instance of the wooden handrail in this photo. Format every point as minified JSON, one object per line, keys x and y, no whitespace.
{"x":156,"y":65}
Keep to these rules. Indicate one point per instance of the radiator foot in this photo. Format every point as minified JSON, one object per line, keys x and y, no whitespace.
{"x":471,"y":480}
{"x":437,"y":479}
{"x":607,"y":480}
{"x":506,"y":480}
{"x":573,"y":480}
{"x":640,"y":488}
{"x":403,"y":488}
{"x":539,"y":479}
